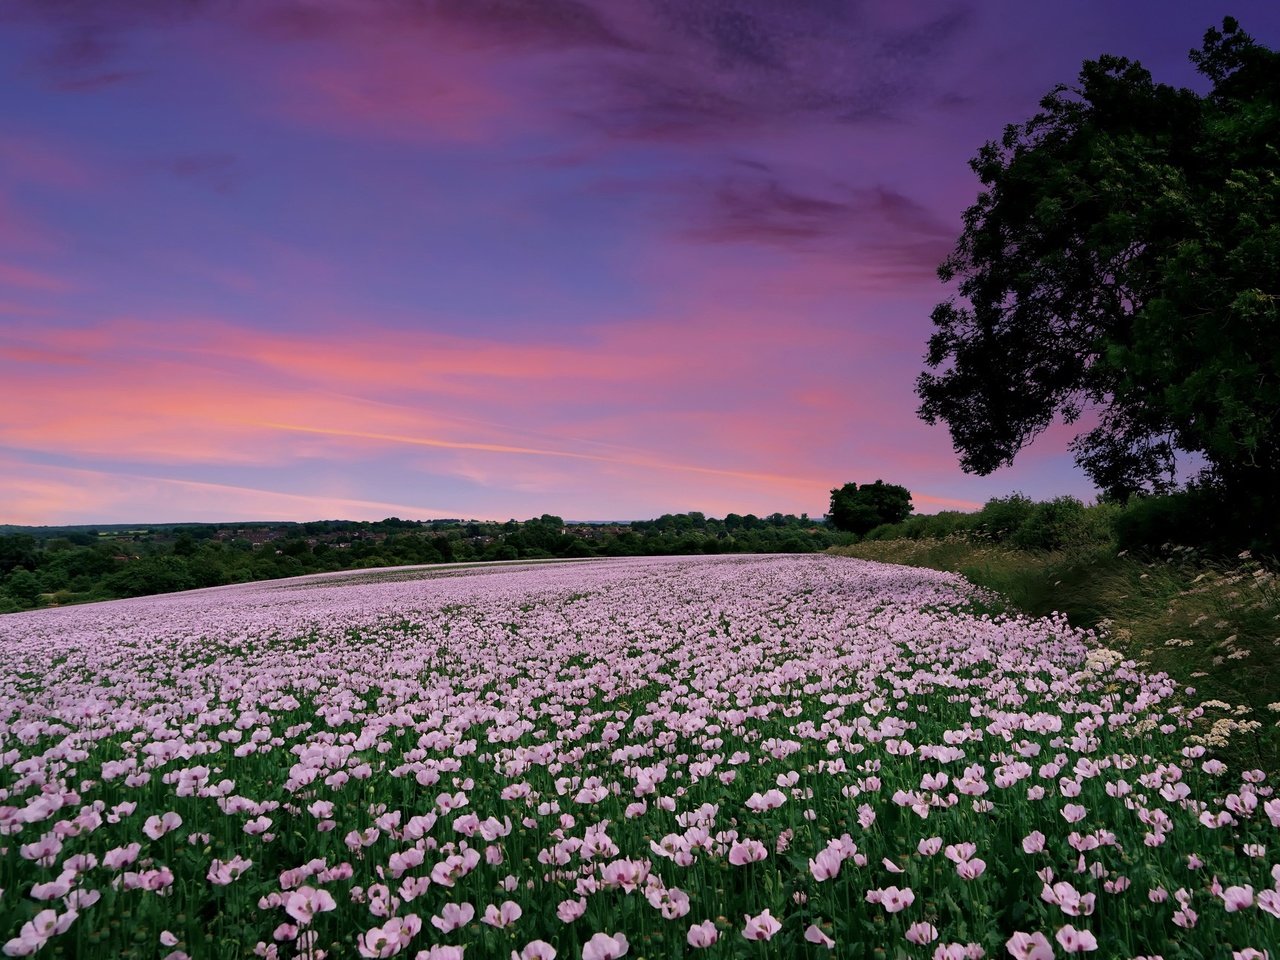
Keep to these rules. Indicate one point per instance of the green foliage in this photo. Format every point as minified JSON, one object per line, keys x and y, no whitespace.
{"x":22,"y":587}
{"x":1124,"y":258}
{"x":68,"y":565}
{"x":925,"y":526}
{"x":1059,"y":524}
{"x":1183,"y":518}
{"x":17,"y":550}
{"x":860,"y":510}
{"x":1001,"y":517}
{"x":1198,"y":517}
{"x":1054,"y":525}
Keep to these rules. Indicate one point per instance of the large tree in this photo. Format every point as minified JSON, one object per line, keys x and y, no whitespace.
{"x":861,"y":509}
{"x":1122,"y":265}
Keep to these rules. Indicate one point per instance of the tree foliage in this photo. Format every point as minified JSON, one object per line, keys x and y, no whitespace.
{"x":1122,"y":265}
{"x":61,"y":565}
{"x":861,"y":509}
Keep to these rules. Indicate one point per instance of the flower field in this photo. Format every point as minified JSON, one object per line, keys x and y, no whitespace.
{"x":720,"y":757}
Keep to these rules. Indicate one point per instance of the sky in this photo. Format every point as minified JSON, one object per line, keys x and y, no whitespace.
{"x":606,"y":259}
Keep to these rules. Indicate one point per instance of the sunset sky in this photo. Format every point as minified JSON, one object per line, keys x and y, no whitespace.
{"x":492,"y":258}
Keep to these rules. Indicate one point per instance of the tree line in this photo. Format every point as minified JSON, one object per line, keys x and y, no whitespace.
{"x":54,"y":566}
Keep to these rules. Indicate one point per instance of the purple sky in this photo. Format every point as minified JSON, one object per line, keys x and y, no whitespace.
{"x":494,"y":258}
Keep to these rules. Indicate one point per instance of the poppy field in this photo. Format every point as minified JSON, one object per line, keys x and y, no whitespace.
{"x":799,"y":756}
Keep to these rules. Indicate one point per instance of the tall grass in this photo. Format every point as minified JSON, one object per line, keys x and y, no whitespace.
{"x":1213,"y":626}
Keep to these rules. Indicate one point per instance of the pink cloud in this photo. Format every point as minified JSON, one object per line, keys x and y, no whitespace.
{"x":215,"y":393}
{"x":36,"y":493}
{"x":28,"y":278}
{"x":36,"y":160}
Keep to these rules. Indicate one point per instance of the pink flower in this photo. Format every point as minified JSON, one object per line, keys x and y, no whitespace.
{"x":601,"y":946}
{"x":121,"y":856}
{"x":389,"y":939}
{"x":922,"y":933}
{"x":826,"y":865}
{"x":502,"y":916}
{"x":220,"y":874}
{"x":813,"y":934}
{"x":54,"y":889}
{"x":257,"y":825}
{"x":702,"y":934}
{"x":971,"y":869}
{"x":892,"y":899}
{"x":929,"y":846}
{"x":1238,"y":898}
{"x":1272,"y":810}
{"x":1029,"y":946}
{"x":453,"y":916}
{"x":747,"y":851}
{"x":671,"y":902}
{"x":157,"y":827}
{"x":570,"y":910}
{"x":625,"y":873}
{"x":761,"y":927}
{"x":1269,"y":900}
{"x":1076,"y":941}
{"x":957,"y":852}
{"x":1074,"y":813}
{"x":535,"y":950}
{"x":441,"y":952}
{"x":35,"y":933}
{"x":771,"y":800}
{"x":305,"y":902}
{"x":1033,"y":842}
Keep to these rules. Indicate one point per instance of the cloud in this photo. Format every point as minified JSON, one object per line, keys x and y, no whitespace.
{"x":37,"y":161}
{"x":886,"y":232}
{"x":737,"y":35}
{"x":28,"y":278}
{"x":553,"y":23}
{"x":616,"y":410}
{"x":35,"y":494}
{"x":664,"y":70}
{"x":218,"y":171}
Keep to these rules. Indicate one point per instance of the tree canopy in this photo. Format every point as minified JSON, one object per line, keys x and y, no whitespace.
{"x":1121,"y":269}
{"x":861,"y":509}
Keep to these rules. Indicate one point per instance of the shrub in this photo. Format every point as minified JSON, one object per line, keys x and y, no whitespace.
{"x":1001,"y":517}
{"x":1054,"y":525}
{"x":1184,"y":519}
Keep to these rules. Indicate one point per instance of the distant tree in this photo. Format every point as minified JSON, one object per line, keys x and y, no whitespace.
{"x":23,"y":586}
{"x":185,"y":545}
{"x":17,"y":550}
{"x":861,"y":509}
{"x":1124,"y":260}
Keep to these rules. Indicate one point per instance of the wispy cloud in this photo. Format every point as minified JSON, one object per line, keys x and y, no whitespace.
{"x":33,"y":493}
{"x":217,"y":171}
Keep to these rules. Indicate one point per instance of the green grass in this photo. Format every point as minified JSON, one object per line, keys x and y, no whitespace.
{"x":1211,"y":626}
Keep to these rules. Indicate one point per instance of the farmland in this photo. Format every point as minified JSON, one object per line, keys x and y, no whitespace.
{"x":651,"y":757}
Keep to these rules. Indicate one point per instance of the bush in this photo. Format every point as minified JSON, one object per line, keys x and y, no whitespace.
{"x":1001,"y":517}
{"x":1191,"y":518}
{"x":1054,"y":525}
